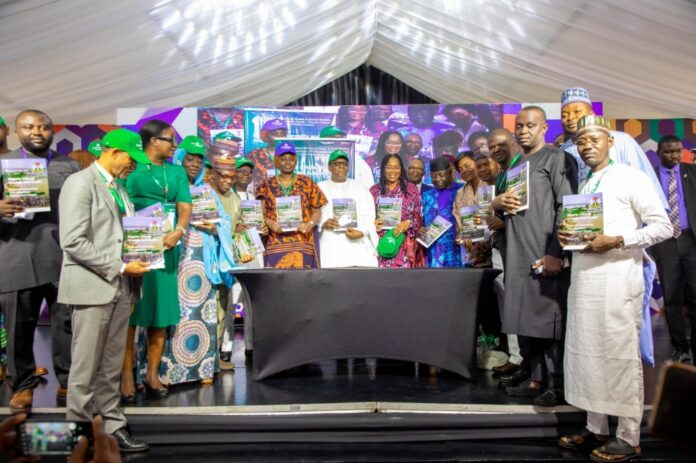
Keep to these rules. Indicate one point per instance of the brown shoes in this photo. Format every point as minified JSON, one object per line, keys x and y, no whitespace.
{"x":21,"y":401}
{"x":40,"y":371}
{"x":506,"y":369}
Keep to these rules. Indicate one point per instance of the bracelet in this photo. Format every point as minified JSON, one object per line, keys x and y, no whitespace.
{"x":181,"y":229}
{"x":312,"y":223}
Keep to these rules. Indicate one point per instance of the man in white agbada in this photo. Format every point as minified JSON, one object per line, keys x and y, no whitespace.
{"x":602,"y":366}
{"x":344,"y":244}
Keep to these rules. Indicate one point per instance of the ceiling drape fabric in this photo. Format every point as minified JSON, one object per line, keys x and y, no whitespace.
{"x":79,"y":60}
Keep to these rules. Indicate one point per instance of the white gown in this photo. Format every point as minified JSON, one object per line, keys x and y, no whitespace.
{"x":335,"y":249}
{"x":602,"y":366}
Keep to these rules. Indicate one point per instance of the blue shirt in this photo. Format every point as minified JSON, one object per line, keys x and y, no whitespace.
{"x":664,"y":180}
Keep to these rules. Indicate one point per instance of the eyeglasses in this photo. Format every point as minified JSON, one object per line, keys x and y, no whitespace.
{"x":168,"y":140}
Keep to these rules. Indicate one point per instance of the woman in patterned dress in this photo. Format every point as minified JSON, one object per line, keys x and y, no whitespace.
{"x":393,"y":184}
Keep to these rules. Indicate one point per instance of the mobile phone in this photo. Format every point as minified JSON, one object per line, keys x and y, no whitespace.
{"x":52,"y":437}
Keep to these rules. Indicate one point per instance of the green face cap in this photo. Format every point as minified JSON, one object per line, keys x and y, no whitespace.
{"x":95,"y":147}
{"x":388,"y":246}
{"x":193,"y":145}
{"x":241,"y":162}
{"x":331,"y":131}
{"x":2,"y":121}
{"x":338,"y":154}
{"x":128,"y":141}
{"x":226,"y":135}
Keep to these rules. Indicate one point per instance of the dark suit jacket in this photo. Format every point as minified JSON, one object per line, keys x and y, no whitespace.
{"x":30,"y":253}
{"x":688,"y":180}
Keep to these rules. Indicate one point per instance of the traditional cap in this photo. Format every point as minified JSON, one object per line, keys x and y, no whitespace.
{"x":220,"y":156}
{"x":241,"y":162}
{"x":331,"y":131}
{"x":128,"y":141}
{"x":95,"y":147}
{"x":274,"y":124}
{"x":284,"y":148}
{"x":574,"y":95}
{"x":226,"y":135}
{"x":2,"y":121}
{"x":338,"y":154}
{"x":592,"y":122}
{"x":193,"y":145}
{"x":438,"y":164}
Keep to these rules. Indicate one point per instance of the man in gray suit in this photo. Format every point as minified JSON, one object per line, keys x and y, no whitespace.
{"x":30,"y":256}
{"x":97,"y":285}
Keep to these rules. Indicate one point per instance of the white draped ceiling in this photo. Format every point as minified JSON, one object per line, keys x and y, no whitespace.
{"x":79,"y":60}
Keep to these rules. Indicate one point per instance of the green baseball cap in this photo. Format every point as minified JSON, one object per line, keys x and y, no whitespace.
{"x":95,"y":147}
{"x":331,"y":131}
{"x":338,"y":154}
{"x":388,"y":246}
{"x":193,"y":145}
{"x":128,"y":141}
{"x":226,"y":135}
{"x":241,"y":162}
{"x":2,"y":121}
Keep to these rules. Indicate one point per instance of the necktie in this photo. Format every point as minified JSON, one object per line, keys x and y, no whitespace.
{"x":673,"y":204}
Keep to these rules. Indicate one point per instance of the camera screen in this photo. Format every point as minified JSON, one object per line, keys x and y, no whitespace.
{"x":50,"y":438}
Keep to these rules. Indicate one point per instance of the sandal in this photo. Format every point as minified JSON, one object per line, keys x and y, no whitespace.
{"x":614,"y":451}
{"x":582,"y":440}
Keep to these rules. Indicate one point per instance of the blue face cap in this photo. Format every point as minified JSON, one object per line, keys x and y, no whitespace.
{"x":285,"y":148}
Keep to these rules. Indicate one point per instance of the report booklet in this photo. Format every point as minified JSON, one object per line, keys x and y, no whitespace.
{"x":582,"y":214}
{"x":345,"y":213}
{"x":247,"y":245}
{"x":143,"y":240}
{"x":252,"y":213}
{"x":428,"y":235}
{"x":204,"y":207}
{"x":484,"y":200}
{"x":389,"y":211}
{"x":468,"y":229}
{"x":26,"y":182}
{"x":289,"y":211}
{"x":157,"y":210}
{"x":518,"y":181}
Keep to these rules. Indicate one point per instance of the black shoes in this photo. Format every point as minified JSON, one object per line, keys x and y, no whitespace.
{"x":549,"y":398}
{"x":153,"y":393}
{"x":513,"y":379}
{"x":524,"y":389}
{"x":127,"y":444}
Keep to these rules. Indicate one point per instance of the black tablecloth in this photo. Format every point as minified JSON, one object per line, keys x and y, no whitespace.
{"x":422,"y":315}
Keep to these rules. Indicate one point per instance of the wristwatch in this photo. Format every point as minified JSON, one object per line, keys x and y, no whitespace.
{"x":619,"y":243}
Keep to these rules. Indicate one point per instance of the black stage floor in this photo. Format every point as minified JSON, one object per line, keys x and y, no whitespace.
{"x":334,"y":411}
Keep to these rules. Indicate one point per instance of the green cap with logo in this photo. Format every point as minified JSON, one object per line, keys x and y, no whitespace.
{"x":128,"y":141}
{"x":338,"y":154}
{"x":193,"y":145}
{"x":95,"y":147}
{"x":331,"y":131}
{"x":226,"y":135}
{"x":388,"y":246}
{"x":241,"y":162}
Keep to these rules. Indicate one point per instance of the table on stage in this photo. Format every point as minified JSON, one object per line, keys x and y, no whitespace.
{"x":423,"y":315}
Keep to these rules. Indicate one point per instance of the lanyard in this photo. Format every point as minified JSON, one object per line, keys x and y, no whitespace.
{"x":164,"y":188}
{"x":116,"y":195}
{"x":501,"y":181}
{"x":599,"y":178}
{"x":48,"y":158}
{"x":287,"y":190}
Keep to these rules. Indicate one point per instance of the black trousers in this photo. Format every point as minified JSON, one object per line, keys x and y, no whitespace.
{"x":544,"y":358}
{"x":21,"y":310}
{"x":676,"y":267}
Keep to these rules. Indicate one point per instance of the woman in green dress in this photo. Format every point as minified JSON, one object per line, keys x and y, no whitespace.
{"x":159,"y":182}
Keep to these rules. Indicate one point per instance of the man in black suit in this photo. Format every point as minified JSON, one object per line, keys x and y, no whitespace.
{"x":676,"y":257}
{"x":30,"y":262}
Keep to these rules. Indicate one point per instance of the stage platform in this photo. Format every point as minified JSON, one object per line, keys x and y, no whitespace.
{"x":334,"y":406}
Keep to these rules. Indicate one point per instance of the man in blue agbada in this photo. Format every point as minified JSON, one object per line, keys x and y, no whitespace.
{"x":444,"y":252}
